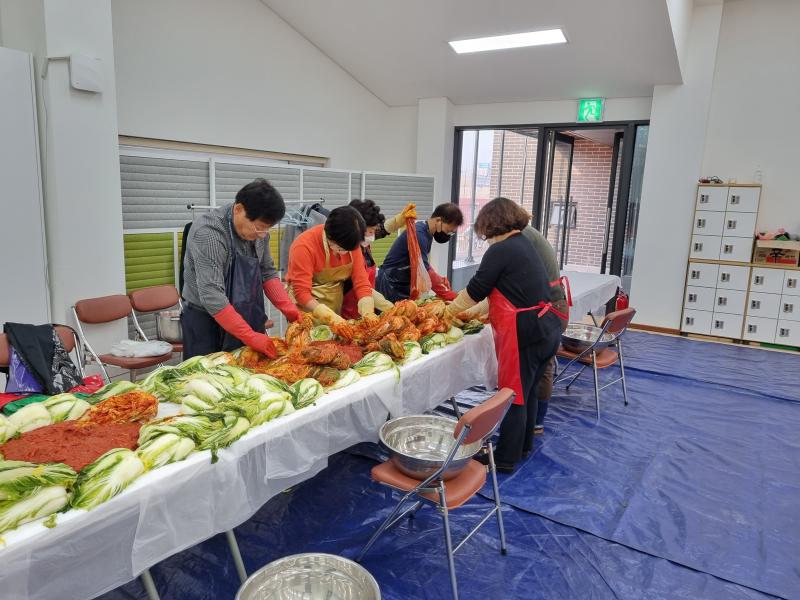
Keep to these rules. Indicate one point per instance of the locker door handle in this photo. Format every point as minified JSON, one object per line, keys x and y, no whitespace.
{"x":727,"y":249}
{"x":732,"y":224}
{"x":783,"y":332}
{"x":791,"y":283}
{"x":722,"y":301}
{"x":719,"y":324}
{"x":725,"y":277}
{"x":695,"y":275}
{"x":758,"y":280}
{"x":788,"y":308}
{"x":701,"y":223}
{"x":690,"y":320}
{"x":692,"y":298}
{"x":752,"y":328}
{"x":755,"y":304}
{"x":703,"y":198}
{"x":735,"y":199}
{"x":698,"y":246}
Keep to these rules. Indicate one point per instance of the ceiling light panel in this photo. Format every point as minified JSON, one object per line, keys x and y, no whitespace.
{"x":514,"y":40}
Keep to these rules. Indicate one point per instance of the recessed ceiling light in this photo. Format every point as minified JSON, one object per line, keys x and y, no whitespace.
{"x":514,"y":40}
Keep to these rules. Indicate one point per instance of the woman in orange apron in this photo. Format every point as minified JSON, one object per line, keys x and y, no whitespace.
{"x":321,"y":259}
{"x":526,"y":327}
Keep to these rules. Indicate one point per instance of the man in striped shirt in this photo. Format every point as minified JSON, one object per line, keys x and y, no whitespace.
{"x":226,"y":267}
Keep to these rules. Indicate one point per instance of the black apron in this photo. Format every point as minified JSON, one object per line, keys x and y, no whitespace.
{"x":201,"y":333}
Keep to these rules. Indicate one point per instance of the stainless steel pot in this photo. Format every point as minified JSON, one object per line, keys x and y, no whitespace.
{"x":312,"y":576}
{"x":168,"y":325}
{"x":578,"y":337}
{"x":419,"y":445}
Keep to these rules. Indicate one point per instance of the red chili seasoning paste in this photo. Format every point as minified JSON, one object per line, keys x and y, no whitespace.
{"x":70,"y":443}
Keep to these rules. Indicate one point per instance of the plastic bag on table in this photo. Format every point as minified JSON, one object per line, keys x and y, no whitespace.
{"x":20,"y":379}
{"x":420,"y":280}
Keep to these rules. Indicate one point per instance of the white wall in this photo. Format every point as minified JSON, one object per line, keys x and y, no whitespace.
{"x":234,"y":74}
{"x":680,"y":19}
{"x":674,"y":163}
{"x":80,"y":161}
{"x":753,"y":123}
{"x":553,"y":111}
{"x":435,"y":134}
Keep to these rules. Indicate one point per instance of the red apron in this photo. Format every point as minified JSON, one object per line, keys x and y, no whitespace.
{"x":503,"y":318}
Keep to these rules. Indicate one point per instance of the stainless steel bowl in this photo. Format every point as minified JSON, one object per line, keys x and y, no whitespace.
{"x":578,"y":337}
{"x":168,"y":325}
{"x":420,"y":444}
{"x":312,"y":576}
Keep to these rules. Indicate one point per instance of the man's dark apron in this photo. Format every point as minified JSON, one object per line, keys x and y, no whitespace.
{"x":201,"y":333}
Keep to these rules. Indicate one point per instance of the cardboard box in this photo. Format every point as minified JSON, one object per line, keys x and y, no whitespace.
{"x":777,"y":252}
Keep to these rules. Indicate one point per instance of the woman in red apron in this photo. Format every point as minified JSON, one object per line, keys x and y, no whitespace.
{"x":526,"y":327}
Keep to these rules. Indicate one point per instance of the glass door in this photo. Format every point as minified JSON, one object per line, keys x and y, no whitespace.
{"x":559,"y":211}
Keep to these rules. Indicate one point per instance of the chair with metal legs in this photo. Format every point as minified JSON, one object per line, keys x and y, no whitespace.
{"x":479,"y":423}
{"x":601,"y":355}
{"x":106,"y":309}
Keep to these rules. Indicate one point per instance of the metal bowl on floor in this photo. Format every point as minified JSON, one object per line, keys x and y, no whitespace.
{"x":578,"y":337}
{"x":419,"y":445}
{"x":313,"y":576}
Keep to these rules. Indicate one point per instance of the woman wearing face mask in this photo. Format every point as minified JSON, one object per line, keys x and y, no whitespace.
{"x":377,"y":227}
{"x":394,"y":276}
{"x":322,"y":258}
{"x":526,"y":327}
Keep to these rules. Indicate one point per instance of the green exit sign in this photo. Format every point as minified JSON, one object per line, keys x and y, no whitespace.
{"x":590,"y":110}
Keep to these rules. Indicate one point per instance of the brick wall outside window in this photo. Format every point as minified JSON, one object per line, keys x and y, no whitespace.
{"x":591,"y":170}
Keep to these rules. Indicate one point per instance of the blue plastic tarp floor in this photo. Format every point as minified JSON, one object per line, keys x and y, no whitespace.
{"x":692,"y":492}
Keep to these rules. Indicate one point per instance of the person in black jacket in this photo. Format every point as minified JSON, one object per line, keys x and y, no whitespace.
{"x":525,"y":325}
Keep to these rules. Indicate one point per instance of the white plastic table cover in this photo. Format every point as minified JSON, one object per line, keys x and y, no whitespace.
{"x":590,"y":291}
{"x":179,"y":505}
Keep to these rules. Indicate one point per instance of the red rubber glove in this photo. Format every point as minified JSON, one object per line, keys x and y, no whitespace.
{"x":441,"y":287}
{"x":232,"y":322}
{"x":276,"y":293}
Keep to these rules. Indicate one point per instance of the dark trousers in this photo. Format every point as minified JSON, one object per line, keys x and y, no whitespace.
{"x":516,"y":430}
{"x":201,"y":334}
{"x":545,"y":388}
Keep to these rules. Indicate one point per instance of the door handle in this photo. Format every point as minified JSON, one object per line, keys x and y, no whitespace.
{"x":791,"y":282}
{"x":725,"y":277}
{"x":692,"y":298}
{"x":698,"y":246}
{"x":703,"y":198}
{"x":701,"y":223}
{"x":758,"y":280}
{"x":695,"y":275}
{"x":732,"y":224}
{"x":719,"y":324}
{"x":722,"y":301}
{"x":788,"y":308}
{"x":752,"y":328}
{"x":735,"y":199}
{"x":690,"y":320}
{"x":783,"y":332}
{"x":727,"y":249}
{"x":756,"y":304}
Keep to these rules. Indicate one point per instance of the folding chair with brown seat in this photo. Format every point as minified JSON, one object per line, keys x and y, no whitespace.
{"x":598,"y":357}
{"x":106,"y":309}
{"x":478,"y":423}
{"x":154,"y":299}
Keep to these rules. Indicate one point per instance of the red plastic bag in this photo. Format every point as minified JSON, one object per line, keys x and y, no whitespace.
{"x":420,"y":280}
